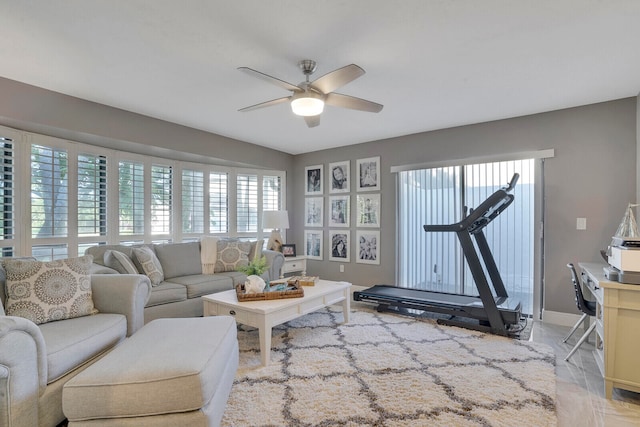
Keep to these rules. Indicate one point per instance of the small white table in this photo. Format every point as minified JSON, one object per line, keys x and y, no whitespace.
{"x":293,"y":265}
{"x":264,"y":315}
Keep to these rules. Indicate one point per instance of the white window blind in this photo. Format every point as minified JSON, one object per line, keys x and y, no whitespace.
{"x":131,"y":197}
{"x":92,"y":195}
{"x":49,"y":188}
{"x":192,"y":201}
{"x":218,"y":202}
{"x":247,"y":203}
{"x":271,"y":193}
{"x":7,"y":196}
{"x":161,"y":199}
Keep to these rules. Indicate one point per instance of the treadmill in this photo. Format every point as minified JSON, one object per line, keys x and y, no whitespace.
{"x":488,"y":312}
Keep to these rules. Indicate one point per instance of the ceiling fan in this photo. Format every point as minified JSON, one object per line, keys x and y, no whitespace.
{"x":308,"y":98}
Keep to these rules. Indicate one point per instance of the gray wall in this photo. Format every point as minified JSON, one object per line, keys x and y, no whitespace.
{"x":592,"y":175}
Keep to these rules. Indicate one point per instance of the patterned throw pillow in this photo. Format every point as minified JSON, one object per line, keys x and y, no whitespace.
{"x":46,"y":291}
{"x":231,"y":255}
{"x":120,"y":262}
{"x":150,"y":264}
{"x":256,"y":250}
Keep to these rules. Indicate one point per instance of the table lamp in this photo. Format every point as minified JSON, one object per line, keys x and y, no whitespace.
{"x":276,"y":221}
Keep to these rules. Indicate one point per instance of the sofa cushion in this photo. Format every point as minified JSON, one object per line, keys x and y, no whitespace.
{"x":232,"y":254}
{"x":236,"y":276}
{"x":150,"y":264}
{"x":203,"y":284}
{"x":179,"y":259}
{"x":166,"y":292}
{"x":120,"y":262}
{"x":168,"y":366}
{"x":47,"y":291}
{"x":76,"y":341}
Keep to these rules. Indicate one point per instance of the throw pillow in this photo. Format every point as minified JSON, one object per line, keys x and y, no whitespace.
{"x":120,"y":262}
{"x":150,"y":264}
{"x":231,"y":255}
{"x":46,"y":291}
{"x":256,"y":250}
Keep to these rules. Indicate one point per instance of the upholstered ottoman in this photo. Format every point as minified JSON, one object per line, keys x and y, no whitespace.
{"x":172,"y":372}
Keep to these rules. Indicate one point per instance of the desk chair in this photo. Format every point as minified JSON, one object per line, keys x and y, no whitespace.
{"x":588,"y":308}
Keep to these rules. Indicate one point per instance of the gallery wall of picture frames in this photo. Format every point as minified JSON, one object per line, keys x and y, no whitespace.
{"x":339,"y":202}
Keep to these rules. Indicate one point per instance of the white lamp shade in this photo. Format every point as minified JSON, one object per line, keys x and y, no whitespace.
{"x":275,"y":220}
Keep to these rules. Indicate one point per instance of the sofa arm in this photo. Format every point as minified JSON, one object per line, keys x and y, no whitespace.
{"x":23,"y":371}
{"x":275,"y":261}
{"x":122,"y":294}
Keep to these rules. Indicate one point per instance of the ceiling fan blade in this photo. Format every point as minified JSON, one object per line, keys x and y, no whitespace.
{"x":353,"y":103}
{"x":270,"y":79}
{"x":312,"y":121}
{"x":265,"y":104}
{"x":337,"y":78}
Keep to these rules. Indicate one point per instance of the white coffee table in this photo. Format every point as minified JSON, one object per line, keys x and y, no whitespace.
{"x":264,"y":315}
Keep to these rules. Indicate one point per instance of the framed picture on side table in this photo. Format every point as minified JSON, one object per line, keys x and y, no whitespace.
{"x":289,"y":250}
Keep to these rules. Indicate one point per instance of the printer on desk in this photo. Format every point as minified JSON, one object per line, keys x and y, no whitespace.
{"x":624,"y":260}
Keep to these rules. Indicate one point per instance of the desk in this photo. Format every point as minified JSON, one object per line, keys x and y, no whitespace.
{"x":617,"y":329}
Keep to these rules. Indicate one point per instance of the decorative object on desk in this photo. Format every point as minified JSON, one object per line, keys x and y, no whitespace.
{"x":313,"y":212}
{"x":628,"y":226}
{"x":339,"y":211}
{"x":339,"y":177}
{"x":254,"y":285}
{"x":276,"y":221}
{"x":289,"y":250}
{"x":368,"y":171}
{"x":368,"y":210}
{"x":304,"y":280}
{"x":255,"y":267}
{"x":313,"y":175}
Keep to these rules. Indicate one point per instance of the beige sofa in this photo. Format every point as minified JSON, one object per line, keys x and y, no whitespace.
{"x":179,"y":293}
{"x":37,"y":360}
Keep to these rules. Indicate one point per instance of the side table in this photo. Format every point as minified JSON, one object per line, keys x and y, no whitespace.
{"x":293,"y":265}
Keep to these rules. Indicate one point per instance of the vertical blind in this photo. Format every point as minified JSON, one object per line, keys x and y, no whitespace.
{"x":434,"y":261}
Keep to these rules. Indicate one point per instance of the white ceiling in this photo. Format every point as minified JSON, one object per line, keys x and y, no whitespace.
{"x":432,"y":63}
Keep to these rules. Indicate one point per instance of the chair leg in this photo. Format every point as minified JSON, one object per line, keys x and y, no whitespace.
{"x":577,"y":325}
{"x":583,"y":338}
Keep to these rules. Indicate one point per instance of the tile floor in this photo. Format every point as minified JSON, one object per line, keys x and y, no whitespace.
{"x":580,"y":388}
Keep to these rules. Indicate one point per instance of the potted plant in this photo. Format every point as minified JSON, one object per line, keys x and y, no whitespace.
{"x":256,"y":267}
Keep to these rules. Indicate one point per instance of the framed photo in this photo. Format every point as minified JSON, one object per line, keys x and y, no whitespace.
{"x":313,"y":211}
{"x":313,"y":244}
{"x":339,"y":177}
{"x":368,"y":210}
{"x":339,"y":211}
{"x":339,"y":240}
{"x":289,"y":250}
{"x":368,"y":247}
{"x":313,"y":177}
{"x":368,"y":171}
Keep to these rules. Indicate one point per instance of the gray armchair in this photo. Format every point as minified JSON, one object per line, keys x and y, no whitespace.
{"x":37,"y":360}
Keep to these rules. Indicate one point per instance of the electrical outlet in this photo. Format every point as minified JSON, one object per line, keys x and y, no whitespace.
{"x":581,"y":223}
{"x":341,"y":268}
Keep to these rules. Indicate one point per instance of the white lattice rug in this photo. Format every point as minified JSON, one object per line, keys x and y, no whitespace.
{"x":388,"y":370}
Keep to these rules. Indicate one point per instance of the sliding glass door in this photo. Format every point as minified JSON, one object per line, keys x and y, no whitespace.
{"x":434,"y":261}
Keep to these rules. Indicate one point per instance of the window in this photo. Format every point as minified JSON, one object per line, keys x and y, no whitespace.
{"x":218,"y":206}
{"x":161,"y":207}
{"x":434,"y":261}
{"x":92,"y":195}
{"x":7,"y":201}
{"x":73,"y":196}
{"x":131,"y":198}
{"x":192,"y":201}
{"x":247,"y":203}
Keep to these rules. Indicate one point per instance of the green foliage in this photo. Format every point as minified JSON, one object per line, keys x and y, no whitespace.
{"x":255,"y":267}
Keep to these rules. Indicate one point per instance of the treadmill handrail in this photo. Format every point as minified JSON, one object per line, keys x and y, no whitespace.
{"x":488,"y":211}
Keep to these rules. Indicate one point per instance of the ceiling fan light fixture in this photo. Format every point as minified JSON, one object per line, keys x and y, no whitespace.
{"x":307,"y":104}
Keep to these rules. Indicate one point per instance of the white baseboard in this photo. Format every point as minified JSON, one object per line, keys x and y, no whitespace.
{"x":560,"y":318}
